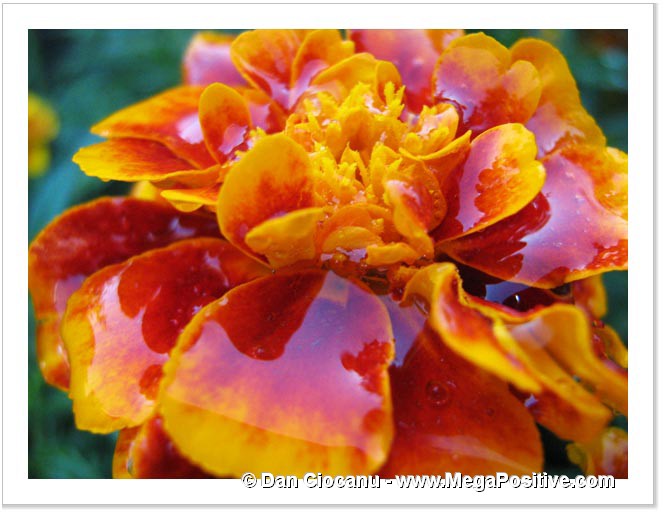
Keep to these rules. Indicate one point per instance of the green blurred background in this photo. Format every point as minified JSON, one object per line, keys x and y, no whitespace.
{"x":89,"y":74}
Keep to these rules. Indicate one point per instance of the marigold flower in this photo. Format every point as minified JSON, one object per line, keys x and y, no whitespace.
{"x":379,"y":254}
{"x":42,"y":129}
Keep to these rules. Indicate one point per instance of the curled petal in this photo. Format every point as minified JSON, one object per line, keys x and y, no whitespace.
{"x":413,"y":52}
{"x":208,"y":59}
{"x":451,"y":416}
{"x":264,"y":113}
{"x":476,"y":74}
{"x":499,"y":177}
{"x":146,"y":452}
{"x":608,"y":454}
{"x":225,"y":121}
{"x":122,"y":323}
{"x":309,"y":351}
{"x":390,"y":254}
{"x":264,"y":58}
{"x":524,"y":352}
{"x":287,"y":239}
{"x":83,"y":240}
{"x":559,"y":118}
{"x":319,"y":50}
{"x":129,"y":159}
{"x":584,"y":190}
{"x":170,"y":118}
{"x":272,"y":179}
{"x":590,"y":294}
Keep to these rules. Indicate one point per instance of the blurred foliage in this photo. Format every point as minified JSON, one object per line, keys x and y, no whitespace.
{"x":89,"y":74}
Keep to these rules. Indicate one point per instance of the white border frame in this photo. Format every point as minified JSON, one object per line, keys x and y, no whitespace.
{"x":18,"y":18}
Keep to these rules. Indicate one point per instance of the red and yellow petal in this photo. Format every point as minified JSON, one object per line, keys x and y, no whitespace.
{"x":80,"y":242}
{"x":208,"y":60}
{"x":191,"y":199}
{"x":272,"y":179}
{"x":147,"y":452}
{"x":534,"y":351}
{"x":574,"y":228}
{"x":499,"y":177}
{"x":264,"y":58}
{"x":451,"y":416}
{"x":413,"y":52}
{"x":310,"y":353}
{"x":476,"y":74}
{"x":608,"y":454}
{"x":122,"y":323}
{"x":170,"y":118}
{"x":225,"y":121}
{"x":559,"y":118}
{"x":129,"y":159}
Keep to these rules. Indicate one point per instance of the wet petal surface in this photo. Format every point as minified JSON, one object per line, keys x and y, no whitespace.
{"x":208,"y":60}
{"x":121,"y":325}
{"x":309,"y":351}
{"x":608,"y":454}
{"x":84,"y":240}
{"x":585,"y":189}
{"x":170,"y":118}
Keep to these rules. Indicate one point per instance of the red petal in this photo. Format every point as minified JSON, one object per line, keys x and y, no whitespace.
{"x":451,"y":416}
{"x":288,"y":375}
{"x":146,"y":452}
{"x":573,"y":229}
{"x":80,"y":242}
{"x":171,"y":118}
{"x":122,"y":323}
{"x":476,"y":74}
{"x":208,"y":60}
{"x":414,"y":52}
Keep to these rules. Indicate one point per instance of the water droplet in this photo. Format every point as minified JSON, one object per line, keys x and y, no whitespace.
{"x":489,"y":412}
{"x":437,"y":394}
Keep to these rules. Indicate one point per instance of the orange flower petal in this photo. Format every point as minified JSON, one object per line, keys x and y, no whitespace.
{"x":191,"y":199}
{"x":129,"y":159}
{"x":170,"y":118}
{"x":413,"y":52}
{"x":287,"y":239}
{"x":208,"y":60}
{"x":390,"y":254}
{"x":272,"y":179}
{"x":122,"y":323}
{"x":451,"y":416}
{"x":608,"y":454}
{"x":522,"y":350}
{"x":559,"y":118}
{"x":475,"y":73}
{"x":319,"y":50}
{"x":146,"y":452}
{"x":264,"y":113}
{"x":499,"y":177}
{"x":264,"y":58}
{"x":309,"y":351}
{"x":83,"y":240}
{"x":590,"y":294}
{"x":572,"y":229}
{"x":225,"y":121}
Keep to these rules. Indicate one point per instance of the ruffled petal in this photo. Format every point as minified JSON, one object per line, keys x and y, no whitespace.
{"x":608,"y":454}
{"x":122,"y":323}
{"x":225,"y":121}
{"x":451,"y":416}
{"x":590,"y":294}
{"x":539,"y":352}
{"x":191,"y":199}
{"x":476,"y":74}
{"x":264,"y":58}
{"x":574,"y":228}
{"x":413,"y":52}
{"x":272,"y":179}
{"x":146,"y":452}
{"x":499,"y":177}
{"x":129,"y":159}
{"x":559,"y":118}
{"x":310,"y":353}
{"x":208,"y":60}
{"x":170,"y":118}
{"x":83,"y":240}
